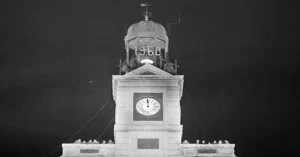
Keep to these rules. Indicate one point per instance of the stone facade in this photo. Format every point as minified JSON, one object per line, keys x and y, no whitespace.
{"x":168,"y":130}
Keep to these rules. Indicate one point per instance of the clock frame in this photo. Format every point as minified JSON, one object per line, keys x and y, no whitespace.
{"x":137,"y":116}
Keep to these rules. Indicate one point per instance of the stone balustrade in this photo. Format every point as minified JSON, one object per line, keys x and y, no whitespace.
{"x":214,"y":149}
{"x":186,"y":149}
{"x":90,"y":148}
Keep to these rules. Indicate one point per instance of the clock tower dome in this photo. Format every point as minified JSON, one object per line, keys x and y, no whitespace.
{"x":147,"y":93}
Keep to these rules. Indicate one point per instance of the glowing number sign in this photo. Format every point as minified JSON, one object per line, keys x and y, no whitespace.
{"x":149,"y":50}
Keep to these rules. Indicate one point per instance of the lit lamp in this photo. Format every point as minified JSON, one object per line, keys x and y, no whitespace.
{"x":147,"y":61}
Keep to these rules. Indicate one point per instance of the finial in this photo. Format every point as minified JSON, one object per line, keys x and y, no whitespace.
{"x":146,"y":13}
{"x":78,"y":141}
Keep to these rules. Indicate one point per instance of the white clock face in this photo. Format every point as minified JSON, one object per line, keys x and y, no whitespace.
{"x":148,"y":106}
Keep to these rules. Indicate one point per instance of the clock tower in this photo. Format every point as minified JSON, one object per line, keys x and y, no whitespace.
{"x":147,"y":93}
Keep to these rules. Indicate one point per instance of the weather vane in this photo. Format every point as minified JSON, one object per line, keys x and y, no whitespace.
{"x":146,"y":13}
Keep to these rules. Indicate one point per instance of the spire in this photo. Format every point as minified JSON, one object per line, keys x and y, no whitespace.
{"x":146,"y":13}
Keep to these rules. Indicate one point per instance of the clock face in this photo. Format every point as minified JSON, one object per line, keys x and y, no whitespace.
{"x":148,"y":106}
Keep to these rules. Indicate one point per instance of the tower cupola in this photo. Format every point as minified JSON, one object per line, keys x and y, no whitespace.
{"x":147,"y":42}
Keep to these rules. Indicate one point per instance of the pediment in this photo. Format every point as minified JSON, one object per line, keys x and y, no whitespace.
{"x":148,"y":69}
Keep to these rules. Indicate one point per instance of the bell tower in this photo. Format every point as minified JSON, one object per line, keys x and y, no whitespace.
{"x":147,"y":93}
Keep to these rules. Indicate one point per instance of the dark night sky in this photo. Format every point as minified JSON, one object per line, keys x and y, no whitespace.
{"x":238,"y":57}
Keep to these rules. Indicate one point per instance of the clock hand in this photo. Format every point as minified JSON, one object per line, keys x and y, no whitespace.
{"x":147,"y":103}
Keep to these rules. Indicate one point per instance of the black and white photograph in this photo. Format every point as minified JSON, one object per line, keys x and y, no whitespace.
{"x":149,"y":78}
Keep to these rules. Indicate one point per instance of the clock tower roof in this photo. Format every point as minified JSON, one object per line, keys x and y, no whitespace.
{"x":146,"y":32}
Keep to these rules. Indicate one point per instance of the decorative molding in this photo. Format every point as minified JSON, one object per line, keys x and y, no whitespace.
{"x":85,"y":145}
{"x":148,"y":68}
{"x":155,"y":81}
{"x":145,"y":83}
{"x":177,"y":128}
